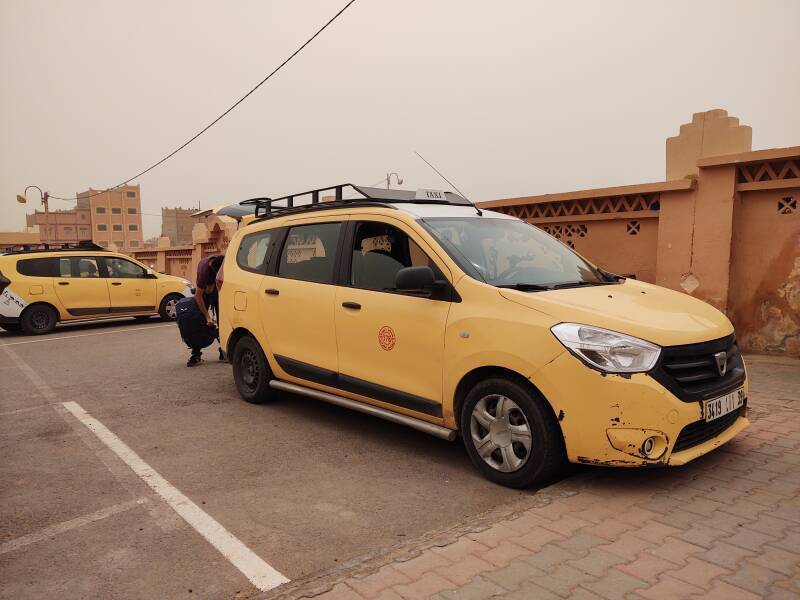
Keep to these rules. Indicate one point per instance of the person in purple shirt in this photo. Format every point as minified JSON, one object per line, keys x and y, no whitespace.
{"x":206,"y":293}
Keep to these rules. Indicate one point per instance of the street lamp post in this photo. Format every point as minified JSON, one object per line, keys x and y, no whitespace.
{"x":44,"y":197}
{"x":389,"y":179}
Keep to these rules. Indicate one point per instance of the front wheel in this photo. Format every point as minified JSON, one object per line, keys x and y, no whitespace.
{"x":38,"y":319}
{"x":251,"y":372}
{"x":167,"y":310}
{"x":510,"y":433}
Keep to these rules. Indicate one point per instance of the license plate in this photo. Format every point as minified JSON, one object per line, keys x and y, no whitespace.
{"x":718,"y":407}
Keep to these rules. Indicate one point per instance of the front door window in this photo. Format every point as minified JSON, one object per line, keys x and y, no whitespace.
{"x":379,"y":252}
{"x":120,"y":268}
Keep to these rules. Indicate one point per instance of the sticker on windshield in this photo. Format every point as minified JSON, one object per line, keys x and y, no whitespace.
{"x":386,"y":338}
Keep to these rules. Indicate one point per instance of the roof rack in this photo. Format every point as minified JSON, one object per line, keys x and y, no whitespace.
{"x":45,"y":247}
{"x":267,"y":208}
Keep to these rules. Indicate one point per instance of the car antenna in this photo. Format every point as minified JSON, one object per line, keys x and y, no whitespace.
{"x":439,"y":173}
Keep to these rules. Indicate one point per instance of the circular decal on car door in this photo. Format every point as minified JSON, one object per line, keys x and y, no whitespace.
{"x":386,"y":337}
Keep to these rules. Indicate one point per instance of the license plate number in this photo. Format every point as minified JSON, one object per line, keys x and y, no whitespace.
{"x":718,"y":407}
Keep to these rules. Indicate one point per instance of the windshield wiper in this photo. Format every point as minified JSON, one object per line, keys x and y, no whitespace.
{"x":525,"y":287}
{"x":570,"y":284}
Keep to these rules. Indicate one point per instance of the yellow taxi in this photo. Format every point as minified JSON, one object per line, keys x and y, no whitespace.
{"x":422,"y":309}
{"x":43,"y":286}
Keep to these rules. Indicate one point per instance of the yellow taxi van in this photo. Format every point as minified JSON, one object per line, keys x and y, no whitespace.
{"x":420,"y":308}
{"x":41,"y":286}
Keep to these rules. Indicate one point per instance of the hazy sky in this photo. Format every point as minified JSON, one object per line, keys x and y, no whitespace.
{"x":506,"y":97}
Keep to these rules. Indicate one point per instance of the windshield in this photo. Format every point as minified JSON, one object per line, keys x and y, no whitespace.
{"x":511,"y":253}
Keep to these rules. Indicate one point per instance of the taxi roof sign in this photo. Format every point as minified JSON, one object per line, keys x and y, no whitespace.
{"x":431,"y":195}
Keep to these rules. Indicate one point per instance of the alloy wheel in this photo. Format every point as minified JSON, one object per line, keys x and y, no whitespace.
{"x":171,"y":308}
{"x":500,"y":433}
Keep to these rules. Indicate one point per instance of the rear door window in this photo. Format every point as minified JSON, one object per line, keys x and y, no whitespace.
{"x":64,"y":267}
{"x":85,"y":267}
{"x":309,"y":253}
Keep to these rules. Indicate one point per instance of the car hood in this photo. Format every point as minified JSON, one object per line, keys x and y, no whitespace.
{"x":659,"y":315}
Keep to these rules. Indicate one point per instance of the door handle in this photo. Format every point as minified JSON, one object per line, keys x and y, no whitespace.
{"x":353,"y":305}
{"x":116,"y":283}
{"x":272,"y":291}
{"x":63,"y":283}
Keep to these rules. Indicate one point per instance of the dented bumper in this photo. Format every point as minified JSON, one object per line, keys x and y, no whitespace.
{"x":606,"y":419}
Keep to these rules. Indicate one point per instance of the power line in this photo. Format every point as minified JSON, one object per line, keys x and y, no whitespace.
{"x":219,"y":118}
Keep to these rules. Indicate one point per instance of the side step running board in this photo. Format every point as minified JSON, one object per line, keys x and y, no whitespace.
{"x":430,"y":428}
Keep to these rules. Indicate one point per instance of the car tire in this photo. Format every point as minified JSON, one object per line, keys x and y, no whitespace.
{"x":38,"y":319}
{"x":167,"y":308}
{"x":251,"y":371}
{"x":495,"y":416}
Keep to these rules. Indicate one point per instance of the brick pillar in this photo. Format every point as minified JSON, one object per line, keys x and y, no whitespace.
{"x":713,"y":228}
{"x":161,"y":260}
{"x":694,"y":237}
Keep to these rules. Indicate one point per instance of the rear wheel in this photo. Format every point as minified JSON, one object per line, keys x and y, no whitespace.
{"x":167,"y":310}
{"x":251,"y":371}
{"x":38,"y":319}
{"x":510,"y":433}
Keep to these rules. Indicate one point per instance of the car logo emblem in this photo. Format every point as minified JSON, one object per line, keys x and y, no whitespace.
{"x":722,"y":362}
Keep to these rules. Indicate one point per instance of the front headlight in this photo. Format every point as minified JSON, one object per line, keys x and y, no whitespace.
{"x":608,"y":351}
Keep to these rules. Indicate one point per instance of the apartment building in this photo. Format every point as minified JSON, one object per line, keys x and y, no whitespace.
{"x":116,"y":216}
{"x":99,"y":216}
{"x":62,"y":226}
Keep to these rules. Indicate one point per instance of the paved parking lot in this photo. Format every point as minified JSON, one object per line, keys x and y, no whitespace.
{"x":304,"y":485}
{"x":127,"y":475}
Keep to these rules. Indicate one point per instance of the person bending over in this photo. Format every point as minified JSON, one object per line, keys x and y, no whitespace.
{"x":206,"y":295}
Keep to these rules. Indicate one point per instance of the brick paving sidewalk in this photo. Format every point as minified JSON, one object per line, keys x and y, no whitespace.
{"x":725,"y":526}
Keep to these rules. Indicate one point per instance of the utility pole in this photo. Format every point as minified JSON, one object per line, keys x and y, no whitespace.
{"x":44,"y":196}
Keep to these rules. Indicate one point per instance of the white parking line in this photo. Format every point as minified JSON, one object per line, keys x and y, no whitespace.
{"x":54,"y":530}
{"x":261,"y":575}
{"x":80,"y":335}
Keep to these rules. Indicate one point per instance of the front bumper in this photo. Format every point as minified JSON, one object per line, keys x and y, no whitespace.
{"x":9,"y":320}
{"x":605,"y":418}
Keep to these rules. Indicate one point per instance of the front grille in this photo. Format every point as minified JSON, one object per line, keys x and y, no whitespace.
{"x":690,"y":372}
{"x":698,"y":432}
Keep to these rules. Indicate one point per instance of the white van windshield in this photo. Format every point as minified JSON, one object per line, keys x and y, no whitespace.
{"x":512,"y":253}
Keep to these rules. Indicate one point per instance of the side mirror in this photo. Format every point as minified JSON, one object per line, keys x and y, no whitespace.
{"x":415,"y":278}
{"x":151,"y":274}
